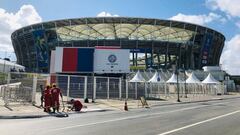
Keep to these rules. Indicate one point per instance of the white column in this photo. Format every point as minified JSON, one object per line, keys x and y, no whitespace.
{"x":108,"y":88}
{"x":120,"y":88}
{"x":135,"y":90}
{"x":145,"y":88}
{"x":165,"y":89}
{"x":94,"y":88}
{"x":126,"y":89}
{"x":68,"y":87}
{"x":85,"y":87}
{"x":34,"y":89}
{"x":151,"y":89}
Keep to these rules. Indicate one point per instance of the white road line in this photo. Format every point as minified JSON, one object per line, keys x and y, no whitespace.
{"x":198,"y":123}
{"x":133,"y":117}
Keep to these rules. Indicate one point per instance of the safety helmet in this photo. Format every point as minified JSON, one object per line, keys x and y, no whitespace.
{"x":48,"y":86}
{"x":53,"y":85}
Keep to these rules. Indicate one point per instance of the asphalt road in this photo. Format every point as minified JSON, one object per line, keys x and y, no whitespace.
{"x":220,"y":117}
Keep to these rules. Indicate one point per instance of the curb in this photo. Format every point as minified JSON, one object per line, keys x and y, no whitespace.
{"x":189,"y":102}
{"x":60,"y":115}
{"x":33,"y":116}
{"x":99,"y":110}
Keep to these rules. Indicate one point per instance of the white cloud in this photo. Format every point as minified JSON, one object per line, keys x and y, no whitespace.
{"x":198,"y":19}
{"x":9,"y":22}
{"x":106,"y":14}
{"x":230,"y":56}
{"x":230,"y":7}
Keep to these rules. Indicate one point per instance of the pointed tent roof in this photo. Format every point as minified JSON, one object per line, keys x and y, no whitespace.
{"x":210,"y":79}
{"x":156,"y":78}
{"x":137,"y":78}
{"x":192,"y":79}
{"x":173,"y":79}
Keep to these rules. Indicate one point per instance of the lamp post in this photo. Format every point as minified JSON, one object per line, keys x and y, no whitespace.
{"x":178,"y":97}
{"x":185,"y":84}
{"x":177,"y":73}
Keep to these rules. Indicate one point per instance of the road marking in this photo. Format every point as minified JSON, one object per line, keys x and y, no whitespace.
{"x":198,"y":123}
{"x":132,"y":117}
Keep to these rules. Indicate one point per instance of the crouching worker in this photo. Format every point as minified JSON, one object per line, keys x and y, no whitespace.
{"x":76,"y":105}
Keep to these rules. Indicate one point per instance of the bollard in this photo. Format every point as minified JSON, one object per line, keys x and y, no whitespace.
{"x":125,"y":106}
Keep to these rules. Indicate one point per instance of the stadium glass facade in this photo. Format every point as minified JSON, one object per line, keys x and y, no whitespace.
{"x":153,"y":43}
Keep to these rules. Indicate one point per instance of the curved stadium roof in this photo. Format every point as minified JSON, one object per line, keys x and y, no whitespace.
{"x":99,"y":28}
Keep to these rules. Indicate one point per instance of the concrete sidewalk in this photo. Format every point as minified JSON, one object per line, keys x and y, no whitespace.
{"x":134,"y":104}
{"x":17,"y":110}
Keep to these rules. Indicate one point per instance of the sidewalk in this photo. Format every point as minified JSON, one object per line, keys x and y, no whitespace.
{"x":17,"y":111}
{"x":134,"y":104}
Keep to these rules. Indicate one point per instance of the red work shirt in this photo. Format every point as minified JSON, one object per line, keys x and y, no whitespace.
{"x":47,"y":97}
{"x":55,"y":93}
{"x":77,"y":105}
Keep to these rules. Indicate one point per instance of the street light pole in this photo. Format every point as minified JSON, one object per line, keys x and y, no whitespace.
{"x":178,"y":97}
{"x":185,"y":85}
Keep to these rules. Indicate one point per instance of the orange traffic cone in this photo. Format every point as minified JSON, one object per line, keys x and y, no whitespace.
{"x":125,"y":106}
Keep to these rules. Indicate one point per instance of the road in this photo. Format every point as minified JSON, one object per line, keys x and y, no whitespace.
{"x":221,"y":117}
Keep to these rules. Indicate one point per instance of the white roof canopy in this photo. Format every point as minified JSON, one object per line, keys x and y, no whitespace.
{"x":210,"y":80}
{"x":137,"y":78}
{"x":173,"y":79}
{"x":192,"y":79}
{"x":156,"y":78}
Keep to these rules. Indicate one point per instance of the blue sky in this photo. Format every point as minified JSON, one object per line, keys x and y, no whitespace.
{"x":221,"y":15}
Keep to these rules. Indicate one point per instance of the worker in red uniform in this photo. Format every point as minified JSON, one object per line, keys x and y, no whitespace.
{"x":47,"y":98}
{"x":76,"y":105}
{"x":56,"y":92}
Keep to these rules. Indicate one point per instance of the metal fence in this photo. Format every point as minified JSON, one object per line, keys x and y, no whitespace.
{"x":22,"y":88}
{"x":99,"y":87}
{"x":96,"y":87}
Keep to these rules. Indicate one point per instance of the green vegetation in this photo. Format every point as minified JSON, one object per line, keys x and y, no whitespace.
{"x":137,"y":67}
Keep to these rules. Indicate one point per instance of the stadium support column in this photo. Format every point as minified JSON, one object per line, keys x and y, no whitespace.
{"x":136,"y":59}
{"x":158,"y":58}
{"x":152,"y":59}
{"x":146,"y":63}
{"x":133,"y":63}
{"x":192,"y":64}
{"x":166,"y":56}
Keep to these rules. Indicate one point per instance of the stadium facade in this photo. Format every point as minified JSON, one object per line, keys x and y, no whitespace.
{"x":153,"y":43}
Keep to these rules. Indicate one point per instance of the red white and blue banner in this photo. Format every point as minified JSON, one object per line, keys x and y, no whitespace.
{"x":87,"y":60}
{"x":72,"y":60}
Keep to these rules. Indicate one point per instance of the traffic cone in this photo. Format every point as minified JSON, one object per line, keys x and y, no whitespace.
{"x":125,"y":106}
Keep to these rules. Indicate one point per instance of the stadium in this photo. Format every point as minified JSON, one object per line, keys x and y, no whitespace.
{"x":153,"y":43}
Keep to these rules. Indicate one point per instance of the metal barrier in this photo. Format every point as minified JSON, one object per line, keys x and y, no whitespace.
{"x":97,"y":87}
{"x":19,"y":88}
{"x":74,"y":86}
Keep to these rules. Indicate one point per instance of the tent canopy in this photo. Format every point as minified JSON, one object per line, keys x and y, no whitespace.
{"x":210,"y":80}
{"x":173,"y":79}
{"x":156,"y":78}
{"x":192,"y":79}
{"x":137,"y":78}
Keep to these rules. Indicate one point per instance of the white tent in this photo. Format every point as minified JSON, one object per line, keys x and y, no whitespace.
{"x":137,"y":78}
{"x":210,"y":80}
{"x":192,"y":79}
{"x":156,"y":78}
{"x":173,"y":79}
